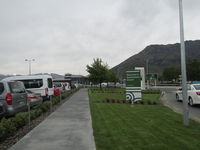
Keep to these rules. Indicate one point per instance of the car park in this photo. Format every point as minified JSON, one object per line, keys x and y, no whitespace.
{"x":13,"y":97}
{"x":42,"y":84}
{"x":59,"y":86}
{"x":34,"y":98}
{"x":193,"y":94}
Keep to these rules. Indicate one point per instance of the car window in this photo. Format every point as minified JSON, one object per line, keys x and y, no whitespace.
{"x":197,"y":86}
{"x":57,"y":84}
{"x":50,"y":83}
{"x":1,"y":88}
{"x":16,"y":87}
{"x":34,"y":83}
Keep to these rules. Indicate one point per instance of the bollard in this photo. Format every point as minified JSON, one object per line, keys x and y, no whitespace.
{"x":29,"y":115}
{"x":60,"y":97}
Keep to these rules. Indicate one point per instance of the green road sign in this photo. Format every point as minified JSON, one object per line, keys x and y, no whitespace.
{"x":133,"y":85}
{"x":152,"y":76}
{"x":133,"y":79}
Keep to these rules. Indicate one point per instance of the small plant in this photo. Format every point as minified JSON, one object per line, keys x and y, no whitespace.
{"x":113,"y":100}
{"x":154,"y":103}
{"x":149,"y":102}
{"x":141,"y":102}
{"x":108,"y":100}
{"x":118,"y":101}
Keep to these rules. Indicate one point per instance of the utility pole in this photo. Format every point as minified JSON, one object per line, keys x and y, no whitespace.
{"x":183,"y":68}
{"x":147,"y":70}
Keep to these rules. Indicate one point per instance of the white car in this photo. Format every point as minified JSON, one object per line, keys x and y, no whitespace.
{"x":193,"y":93}
{"x":42,"y":84}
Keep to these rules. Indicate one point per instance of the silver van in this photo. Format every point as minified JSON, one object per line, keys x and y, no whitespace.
{"x":13,"y":97}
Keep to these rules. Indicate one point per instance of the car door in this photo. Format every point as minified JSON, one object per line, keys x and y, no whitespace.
{"x":189,"y":91}
{"x":19,"y":96}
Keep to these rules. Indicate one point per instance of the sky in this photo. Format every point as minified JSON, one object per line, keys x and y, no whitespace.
{"x":63,"y":36}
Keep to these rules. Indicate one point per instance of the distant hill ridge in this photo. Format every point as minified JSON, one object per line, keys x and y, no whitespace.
{"x":159,"y":57}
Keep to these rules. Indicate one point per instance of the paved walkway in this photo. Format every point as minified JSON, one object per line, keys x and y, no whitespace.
{"x":68,"y":128}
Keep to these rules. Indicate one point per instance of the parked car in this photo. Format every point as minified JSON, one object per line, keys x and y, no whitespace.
{"x":59,"y":86}
{"x":193,"y":94}
{"x":34,"y":98}
{"x":56,"y":91}
{"x":67,"y":86}
{"x":13,"y":97}
{"x":42,"y":84}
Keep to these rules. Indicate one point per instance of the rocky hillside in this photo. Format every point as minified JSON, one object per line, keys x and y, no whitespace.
{"x":159,"y":57}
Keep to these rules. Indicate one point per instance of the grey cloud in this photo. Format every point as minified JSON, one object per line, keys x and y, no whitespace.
{"x":64,"y":35}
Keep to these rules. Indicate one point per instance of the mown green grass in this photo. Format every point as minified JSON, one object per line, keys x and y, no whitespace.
{"x":151,"y":97}
{"x":140,"y":127}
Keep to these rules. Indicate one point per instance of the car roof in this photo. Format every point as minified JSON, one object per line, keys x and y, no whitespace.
{"x":26,"y":77}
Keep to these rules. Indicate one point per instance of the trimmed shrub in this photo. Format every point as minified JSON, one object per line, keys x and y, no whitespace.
{"x":151,"y":91}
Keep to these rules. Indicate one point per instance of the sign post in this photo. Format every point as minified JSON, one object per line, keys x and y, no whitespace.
{"x":150,"y":77}
{"x":133,"y":86}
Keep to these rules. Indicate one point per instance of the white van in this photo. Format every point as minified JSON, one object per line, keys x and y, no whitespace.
{"x":42,"y":84}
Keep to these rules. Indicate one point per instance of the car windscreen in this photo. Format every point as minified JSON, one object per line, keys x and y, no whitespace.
{"x":50,"y":83}
{"x":197,"y":86}
{"x":32,"y":83}
{"x":1,"y":88}
{"x":16,"y":87}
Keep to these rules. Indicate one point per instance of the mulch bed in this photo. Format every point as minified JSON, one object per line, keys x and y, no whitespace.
{"x":126,"y":102}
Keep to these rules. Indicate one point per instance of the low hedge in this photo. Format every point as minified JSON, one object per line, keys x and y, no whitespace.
{"x":151,"y":91}
{"x":9,"y":126}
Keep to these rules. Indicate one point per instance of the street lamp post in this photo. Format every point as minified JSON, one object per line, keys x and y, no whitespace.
{"x":29,"y":63}
{"x":183,"y":68}
{"x":147,"y":72}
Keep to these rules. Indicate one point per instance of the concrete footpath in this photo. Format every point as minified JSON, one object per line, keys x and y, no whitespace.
{"x":68,"y":128}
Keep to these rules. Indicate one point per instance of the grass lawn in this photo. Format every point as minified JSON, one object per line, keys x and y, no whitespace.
{"x":140,"y":127}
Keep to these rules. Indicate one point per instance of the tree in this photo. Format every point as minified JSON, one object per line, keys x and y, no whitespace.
{"x":193,"y":70}
{"x":98,"y":71}
{"x":112,"y":77}
{"x":171,"y":73}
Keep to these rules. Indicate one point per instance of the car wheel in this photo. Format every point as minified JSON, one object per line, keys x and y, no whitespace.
{"x":191,"y":101}
{"x":177,"y":97}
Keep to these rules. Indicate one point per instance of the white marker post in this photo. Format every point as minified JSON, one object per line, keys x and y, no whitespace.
{"x":183,"y":68}
{"x":29,"y":114}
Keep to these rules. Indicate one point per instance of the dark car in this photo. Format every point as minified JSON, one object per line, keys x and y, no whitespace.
{"x":13,"y":97}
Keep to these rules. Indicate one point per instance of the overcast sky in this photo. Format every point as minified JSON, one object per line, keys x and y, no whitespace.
{"x":63,"y":36}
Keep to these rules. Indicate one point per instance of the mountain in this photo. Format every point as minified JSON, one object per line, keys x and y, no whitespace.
{"x":159,"y":57}
{"x":54,"y":75}
{"x":4,"y":76}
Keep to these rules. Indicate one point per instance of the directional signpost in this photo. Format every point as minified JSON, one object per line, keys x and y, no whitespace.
{"x":133,"y":86}
{"x":151,"y":77}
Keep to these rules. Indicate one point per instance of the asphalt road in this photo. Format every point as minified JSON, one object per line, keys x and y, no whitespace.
{"x":169,"y":100}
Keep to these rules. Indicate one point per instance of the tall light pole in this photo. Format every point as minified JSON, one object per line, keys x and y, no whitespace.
{"x":147,"y":72}
{"x":29,"y":64}
{"x":183,"y":68}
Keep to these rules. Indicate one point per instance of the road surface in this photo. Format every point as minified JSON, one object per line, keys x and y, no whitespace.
{"x":169,"y":100}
